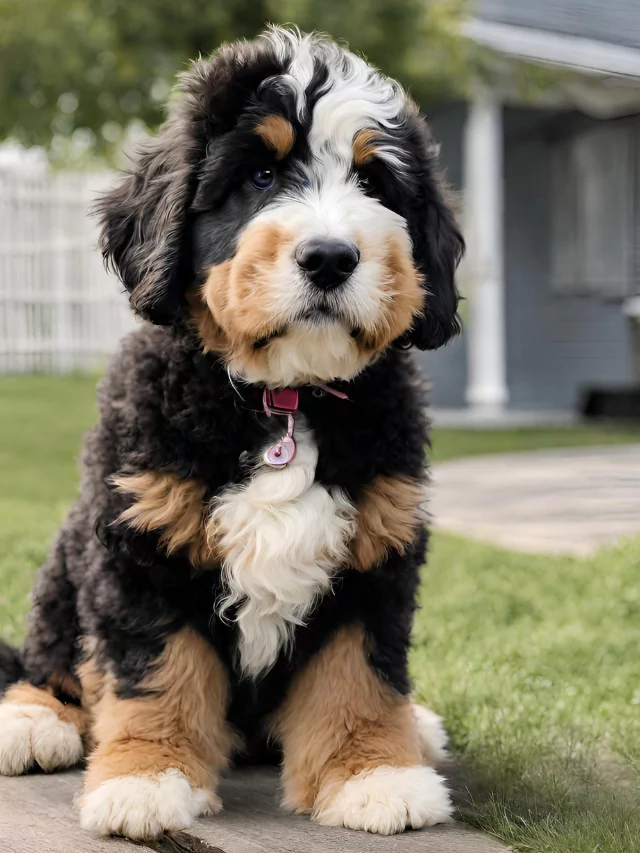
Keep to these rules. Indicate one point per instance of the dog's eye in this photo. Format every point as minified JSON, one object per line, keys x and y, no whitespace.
{"x":262,"y":179}
{"x":366,"y":182}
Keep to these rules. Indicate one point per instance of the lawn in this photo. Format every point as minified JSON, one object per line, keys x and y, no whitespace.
{"x":41,"y":421}
{"x":453,"y":443}
{"x":533,"y":661}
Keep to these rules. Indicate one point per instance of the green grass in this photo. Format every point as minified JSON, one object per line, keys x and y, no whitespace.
{"x":534,"y":664}
{"x":41,"y":422}
{"x":452,"y":443}
{"x":533,"y":661}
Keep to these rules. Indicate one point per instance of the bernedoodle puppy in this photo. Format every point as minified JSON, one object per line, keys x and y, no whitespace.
{"x":243,"y":558}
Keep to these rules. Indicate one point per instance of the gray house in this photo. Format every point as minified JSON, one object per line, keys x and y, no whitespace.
{"x":551,"y":212}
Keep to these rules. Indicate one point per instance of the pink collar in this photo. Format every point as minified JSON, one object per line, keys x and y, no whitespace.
{"x":285,"y":402}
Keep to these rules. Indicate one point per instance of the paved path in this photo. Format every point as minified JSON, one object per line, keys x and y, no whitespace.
{"x":37,"y":815}
{"x":565,"y":501}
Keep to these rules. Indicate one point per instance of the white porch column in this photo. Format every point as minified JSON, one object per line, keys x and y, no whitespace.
{"x":487,"y":391}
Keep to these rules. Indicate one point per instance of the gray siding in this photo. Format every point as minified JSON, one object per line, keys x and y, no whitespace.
{"x":555,"y":345}
{"x":615,"y":21}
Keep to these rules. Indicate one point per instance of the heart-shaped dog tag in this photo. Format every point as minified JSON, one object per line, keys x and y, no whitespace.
{"x":280,"y":454}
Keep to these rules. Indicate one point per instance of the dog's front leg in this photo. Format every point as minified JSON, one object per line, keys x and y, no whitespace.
{"x":351,"y":747}
{"x":157,"y":755}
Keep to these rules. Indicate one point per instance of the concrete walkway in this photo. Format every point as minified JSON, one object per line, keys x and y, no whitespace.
{"x":565,"y":501}
{"x":37,"y":815}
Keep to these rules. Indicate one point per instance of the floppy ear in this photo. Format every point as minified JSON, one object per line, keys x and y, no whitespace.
{"x":438,"y":248}
{"x":144,"y":221}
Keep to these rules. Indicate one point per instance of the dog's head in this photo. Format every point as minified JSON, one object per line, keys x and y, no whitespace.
{"x":292,"y":205}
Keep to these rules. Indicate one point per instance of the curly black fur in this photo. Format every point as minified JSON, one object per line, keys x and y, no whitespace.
{"x":11,"y":669}
{"x":165,"y":405}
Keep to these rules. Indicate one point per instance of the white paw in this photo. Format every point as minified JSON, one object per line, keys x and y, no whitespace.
{"x":431,"y":735}
{"x":33,"y":734}
{"x":387,"y":800}
{"x":143,"y":807}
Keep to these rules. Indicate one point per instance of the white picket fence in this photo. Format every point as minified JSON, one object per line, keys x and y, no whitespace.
{"x":60,"y":311}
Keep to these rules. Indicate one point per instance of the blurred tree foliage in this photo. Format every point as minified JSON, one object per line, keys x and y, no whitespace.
{"x":75,"y":73}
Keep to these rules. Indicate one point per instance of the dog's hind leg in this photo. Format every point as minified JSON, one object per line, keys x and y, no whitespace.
{"x":432,"y":737}
{"x":42,"y":722}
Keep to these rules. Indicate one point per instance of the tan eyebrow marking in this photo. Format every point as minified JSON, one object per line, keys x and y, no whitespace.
{"x":276,"y":132}
{"x":364,"y":149}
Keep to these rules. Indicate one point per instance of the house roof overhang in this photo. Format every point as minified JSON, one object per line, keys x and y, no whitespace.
{"x":587,"y":56}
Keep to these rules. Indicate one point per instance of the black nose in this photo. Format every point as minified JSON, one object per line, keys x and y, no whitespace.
{"x":327,"y":262}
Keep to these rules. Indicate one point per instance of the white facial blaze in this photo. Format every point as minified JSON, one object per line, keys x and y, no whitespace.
{"x":282,"y":535}
{"x":354,"y":96}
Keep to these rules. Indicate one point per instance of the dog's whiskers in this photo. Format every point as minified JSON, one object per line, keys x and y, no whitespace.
{"x":233,"y":384}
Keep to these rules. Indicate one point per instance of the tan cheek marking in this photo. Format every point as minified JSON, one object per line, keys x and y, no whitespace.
{"x":238,"y":304}
{"x":251,"y":292}
{"x":408,"y":290}
{"x":168,"y":503}
{"x":364,"y":149}
{"x":241,"y":294}
{"x":277,"y":133}
{"x":206,"y":305}
{"x":181,"y":724}
{"x":390,"y":510}
{"x":403,"y":283}
{"x":338,"y":719}
{"x":243,"y":299}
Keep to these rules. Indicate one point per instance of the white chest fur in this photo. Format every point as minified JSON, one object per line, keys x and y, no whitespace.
{"x":282,"y":536}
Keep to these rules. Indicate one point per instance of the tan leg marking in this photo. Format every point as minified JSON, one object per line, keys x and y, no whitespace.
{"x":91,"y":680}
{"x":339,"y":719}
{"x":352,"y":751}
{"x":158,"y":757}
{"x":390,"y":510}
{"x":166,"y":502}
{"x":26,"y":694}
{"x":181,"y":724}
{"x":36,"y":728}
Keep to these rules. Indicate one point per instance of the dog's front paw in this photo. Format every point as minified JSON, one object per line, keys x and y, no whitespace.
{"x":34,"y":734}
{"x":143,"y":807}
{"x":386,"y":800}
